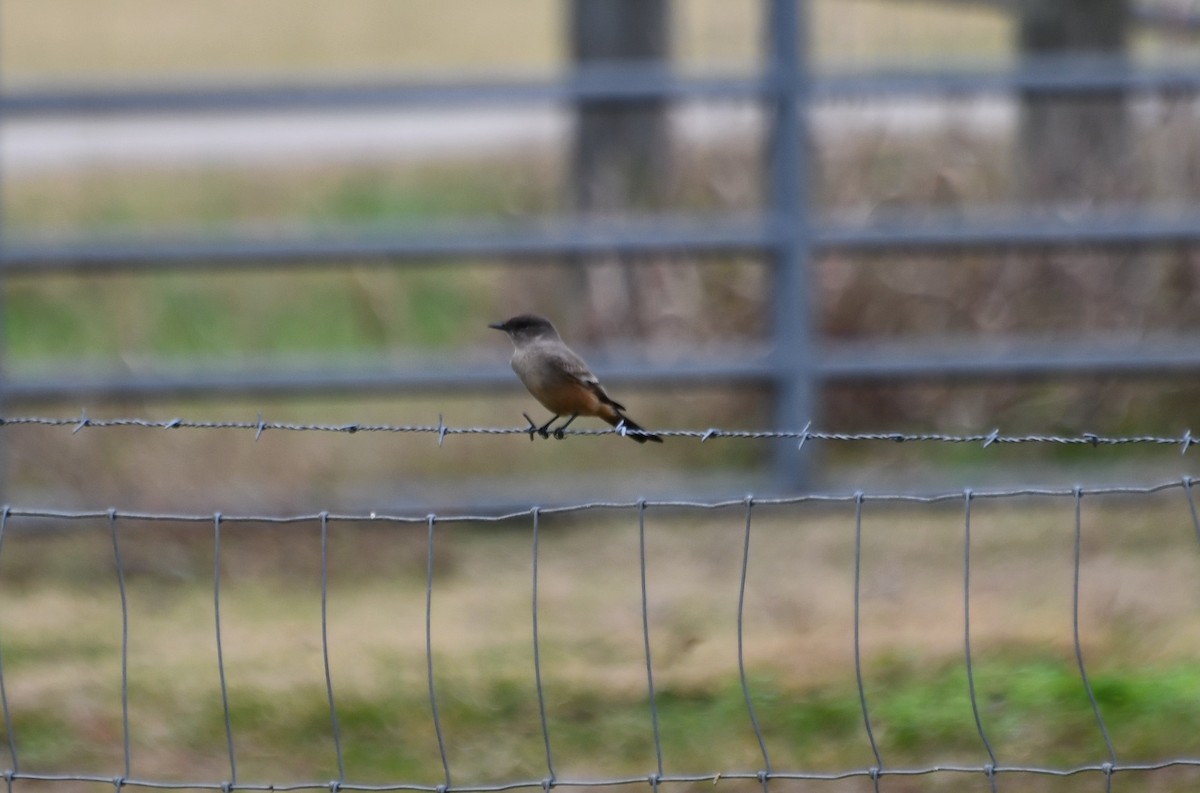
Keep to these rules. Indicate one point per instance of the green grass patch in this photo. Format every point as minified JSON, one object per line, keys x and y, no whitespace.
{"x":492,"y":730}
{"x":352,"y":310}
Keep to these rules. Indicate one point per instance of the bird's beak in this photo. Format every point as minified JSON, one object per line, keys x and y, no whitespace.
{"x":496,"y":325}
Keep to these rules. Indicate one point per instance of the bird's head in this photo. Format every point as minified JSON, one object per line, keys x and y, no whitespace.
{"x":526,"y":327}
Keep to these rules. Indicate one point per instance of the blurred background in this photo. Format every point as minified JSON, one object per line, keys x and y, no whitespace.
{"x":850,"y":215}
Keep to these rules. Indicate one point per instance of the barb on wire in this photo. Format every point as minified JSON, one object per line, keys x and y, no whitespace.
{"x":259,"y":425}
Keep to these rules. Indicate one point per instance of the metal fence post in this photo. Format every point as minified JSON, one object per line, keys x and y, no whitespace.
{"x":787,"y":185}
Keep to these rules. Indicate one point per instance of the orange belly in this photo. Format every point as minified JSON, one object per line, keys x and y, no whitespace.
{"x":567,"y":399}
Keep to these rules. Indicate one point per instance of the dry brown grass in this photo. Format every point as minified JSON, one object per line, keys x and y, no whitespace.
{"x":1137,"y":572}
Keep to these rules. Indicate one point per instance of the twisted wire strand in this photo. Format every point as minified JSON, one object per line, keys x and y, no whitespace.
{"x":441,"y":430}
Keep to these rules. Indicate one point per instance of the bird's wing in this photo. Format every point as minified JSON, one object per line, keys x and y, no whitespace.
{"x":574,"y":367}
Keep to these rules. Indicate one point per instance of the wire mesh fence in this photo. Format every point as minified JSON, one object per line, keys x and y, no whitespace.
{"x":993,"y":769}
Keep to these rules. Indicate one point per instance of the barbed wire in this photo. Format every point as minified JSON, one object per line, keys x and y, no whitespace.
{"x":442,"y":430}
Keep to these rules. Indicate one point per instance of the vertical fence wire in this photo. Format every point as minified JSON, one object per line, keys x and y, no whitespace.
{"x":991,"y":767}
{"x":658,"y":751}
{"x":333,"y":717}
{"x":8,"y":721}
{"x":858,"y":675}
{"x":741,"y":654}
{"x":1187,"y":491}
{"x":116,"y":545}
{"x":1087,"y":685}
{"x":220,"y":649}
{"x":537,"y":655}
{"x":437,"y":720}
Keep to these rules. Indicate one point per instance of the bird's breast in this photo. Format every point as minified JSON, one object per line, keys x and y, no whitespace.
{"x":532,"y":373}
{"x":550,"y":384}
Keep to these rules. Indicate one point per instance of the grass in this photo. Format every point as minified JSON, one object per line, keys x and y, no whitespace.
{"x":168,"y":316}
{"x":494,"y":733}
{"x":60,"y":627}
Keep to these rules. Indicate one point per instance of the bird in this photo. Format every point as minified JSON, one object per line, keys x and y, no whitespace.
{"x":560,"y":380}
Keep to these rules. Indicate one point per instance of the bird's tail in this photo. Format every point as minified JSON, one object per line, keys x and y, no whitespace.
{"x":639,"y":434}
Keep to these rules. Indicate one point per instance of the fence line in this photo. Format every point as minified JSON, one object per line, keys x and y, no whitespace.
{"x":991,"y":769}
{"x":441,"y":429}
{"x":652,"y":780}
{"x":1186,"y":483}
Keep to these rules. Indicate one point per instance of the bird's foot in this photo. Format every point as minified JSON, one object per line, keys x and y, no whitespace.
{"x":542,"y":430}
{"x":560,"y":433}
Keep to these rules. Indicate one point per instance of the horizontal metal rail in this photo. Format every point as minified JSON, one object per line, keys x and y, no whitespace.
{"x":1001,"y":228}
{"x":618,"y":82}
{"x":1077,"y":74}
{"x":359,"y":377}
{"x":576,"y":237}
{"x":894,"y":360}
{"x":432,"y":241}
{"x":919,"y":358}
{"x":1073,"y":74}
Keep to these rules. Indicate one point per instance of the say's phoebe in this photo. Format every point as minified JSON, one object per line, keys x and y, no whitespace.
{"x":559,"y":379}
